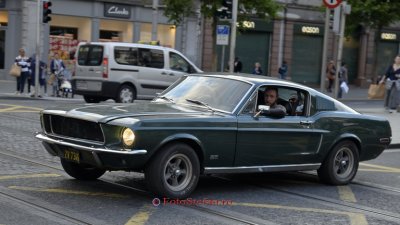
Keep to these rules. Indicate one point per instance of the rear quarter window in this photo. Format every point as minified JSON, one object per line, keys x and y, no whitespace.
{"x":90,"y":55}
{"x":151,"y":58}
{"x":126,"y":56}
{"x":320,"y":104}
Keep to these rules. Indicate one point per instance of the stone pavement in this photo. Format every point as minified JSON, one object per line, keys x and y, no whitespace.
{"x":352,"y":98}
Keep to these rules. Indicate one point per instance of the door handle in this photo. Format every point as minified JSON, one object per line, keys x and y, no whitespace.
{"x":163,"y":73}
{"x":305,"y":123}
{"x":172,"y":74}
{"x":91,"y":69}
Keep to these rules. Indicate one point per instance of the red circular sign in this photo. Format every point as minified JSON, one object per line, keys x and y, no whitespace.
{"x":332,"y":3}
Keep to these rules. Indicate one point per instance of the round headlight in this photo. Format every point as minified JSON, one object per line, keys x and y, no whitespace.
{"x":128,"y":137}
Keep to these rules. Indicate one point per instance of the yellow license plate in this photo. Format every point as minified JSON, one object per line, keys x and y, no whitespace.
{"x":71,"y":155}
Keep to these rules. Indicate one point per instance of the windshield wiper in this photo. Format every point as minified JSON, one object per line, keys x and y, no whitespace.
{"x":166,"y":98}
{"x":200,"y":103}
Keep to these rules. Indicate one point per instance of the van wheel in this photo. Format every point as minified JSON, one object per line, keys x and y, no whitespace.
{"x":91,"y":99}
{"x":126,"y":94}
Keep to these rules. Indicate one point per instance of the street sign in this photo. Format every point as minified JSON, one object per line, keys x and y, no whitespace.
{"x":222,"y":34}
{"x":331,"y":3}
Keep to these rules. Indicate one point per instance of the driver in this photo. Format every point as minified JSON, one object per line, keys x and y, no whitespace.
{"x":271,"y":97}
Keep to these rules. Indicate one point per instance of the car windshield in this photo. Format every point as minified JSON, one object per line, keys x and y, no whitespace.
{"x":219,"y":93}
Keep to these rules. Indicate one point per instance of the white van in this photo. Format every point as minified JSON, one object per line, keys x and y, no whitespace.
{"x":126,"y":71}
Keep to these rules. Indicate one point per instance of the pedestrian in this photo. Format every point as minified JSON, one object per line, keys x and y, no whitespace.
{"x":343,"y":77}
{"x":330,"y":74}
{"x":57,"y":68}
{"x":257,"y":69}
{"x":24,"y":62}
{"x":391,"y":78}
{"x":283,"y":70}
{"x":237,"y":65}
{"x":42,"y":77}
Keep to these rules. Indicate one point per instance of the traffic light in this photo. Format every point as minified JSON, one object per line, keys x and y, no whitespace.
{"x":46,"y":12}
{"x":331,"y":18}
{"x":225,"y":11}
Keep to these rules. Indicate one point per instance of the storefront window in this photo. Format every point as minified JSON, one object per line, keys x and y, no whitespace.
{"x":3,"y":18}
{"x":165,"y":34}
{"x":116,"y":30}
{"x":61,"y":31}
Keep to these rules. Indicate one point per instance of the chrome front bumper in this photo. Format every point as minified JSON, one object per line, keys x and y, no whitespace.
{"x":45,"y":138}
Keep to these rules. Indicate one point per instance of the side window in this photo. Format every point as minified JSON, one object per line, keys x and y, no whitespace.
{"x":323,"y":104}
{"x":294,"y":100}
{"x":151,"y":58}
{"x":126,"y":56}
{"x":250,"y":107}
{"x":90,"y":55}
{"x":178,"y":63}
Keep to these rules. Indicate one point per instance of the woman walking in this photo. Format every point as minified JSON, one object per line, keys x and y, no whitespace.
{"x":392,"y":75}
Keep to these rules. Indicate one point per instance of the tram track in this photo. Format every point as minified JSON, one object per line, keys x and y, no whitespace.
{"x":142,"y":192}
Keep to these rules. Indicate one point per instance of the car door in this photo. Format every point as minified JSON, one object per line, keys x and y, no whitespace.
{"x":152,"y":73}
{"x":89,"y":68}
{"x":264,"y":140}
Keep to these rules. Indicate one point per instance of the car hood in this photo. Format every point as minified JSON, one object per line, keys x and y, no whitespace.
{"x":104,"y":113}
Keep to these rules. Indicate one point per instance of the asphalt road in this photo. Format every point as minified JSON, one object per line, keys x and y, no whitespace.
{"x":35,"y":190}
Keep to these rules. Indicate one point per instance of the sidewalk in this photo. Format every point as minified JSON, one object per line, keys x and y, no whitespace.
{"x":355,"y":94}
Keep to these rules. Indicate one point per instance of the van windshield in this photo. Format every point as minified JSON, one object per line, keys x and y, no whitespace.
{"x":90,"y":55}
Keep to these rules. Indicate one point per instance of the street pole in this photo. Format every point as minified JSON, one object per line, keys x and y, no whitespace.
{"x":154,"y":23}
{"x":37,"y":60}
{"x":223,"y":58}
{"x":233,"y":35}
{"x":325,"y":49}
{"x":340,"y":46}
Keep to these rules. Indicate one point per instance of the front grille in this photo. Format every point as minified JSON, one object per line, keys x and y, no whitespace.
{"x":73,"y":128}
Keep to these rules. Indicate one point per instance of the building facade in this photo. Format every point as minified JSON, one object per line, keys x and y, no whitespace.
{"x":297,"y":37}
{"x":74,"y":21}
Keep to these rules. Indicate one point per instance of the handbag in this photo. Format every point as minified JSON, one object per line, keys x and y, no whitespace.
{"x":376,"y":91}
{"x":15,"y":70}
{"x":51,"y":79}
{"x":344,"y":87}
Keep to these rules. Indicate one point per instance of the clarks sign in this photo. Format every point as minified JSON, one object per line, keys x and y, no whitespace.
{"x":117,"y":10}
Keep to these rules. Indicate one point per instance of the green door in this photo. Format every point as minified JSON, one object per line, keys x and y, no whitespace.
{"x":386,"y":53}
{"x":307,"y":59}
{"x":252,"y":47}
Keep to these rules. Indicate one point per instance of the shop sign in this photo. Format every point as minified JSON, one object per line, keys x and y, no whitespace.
{"x":117,"y":10}
{"x":309,"y":30}
{"x":388,"y":36}
{"x":2,"y":3}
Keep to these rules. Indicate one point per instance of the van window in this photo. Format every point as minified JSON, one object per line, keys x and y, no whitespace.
{"x":178,"y":63}
{"x":151,"y":58}
{"x":90,"y":55}
{"x":126,"y":56}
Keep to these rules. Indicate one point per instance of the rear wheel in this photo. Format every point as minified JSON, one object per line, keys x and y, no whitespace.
{"x":81,"y":171}
{"x":341,"y":165}
{"x":126,"y":94}
{"x":174,"y":172}
{"x":91,"y":99}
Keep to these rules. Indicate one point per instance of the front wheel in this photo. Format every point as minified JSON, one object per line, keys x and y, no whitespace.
{"x":126,"y":94}
{"x":341,"y":164}
{"x":174,"y":172}
{"x":81,"y":171}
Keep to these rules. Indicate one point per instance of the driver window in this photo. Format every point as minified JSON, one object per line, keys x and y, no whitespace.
{"x":176,"y":62}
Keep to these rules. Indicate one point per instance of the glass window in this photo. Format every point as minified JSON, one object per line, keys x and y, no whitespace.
{"x":90,"y":55}
{"x":61,"y":31}
{"x":151,"y":58}
{"x":126,"y":55}
{"x":178,"y":63}
{"x":219,"y":93}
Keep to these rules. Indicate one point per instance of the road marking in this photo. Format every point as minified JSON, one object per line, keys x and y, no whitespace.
{"x":19,"y":108}
{"x":11,"y":177}
{"x":346,"y":194}
{"x":391,"y":151}
{"x":386,"y":168}
{"x":142,"y":216}
{"x":64,"y":191}
{"x":355,"y":218}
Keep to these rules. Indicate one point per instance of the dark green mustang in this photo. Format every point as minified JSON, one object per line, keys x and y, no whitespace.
{"x":214,"y":123}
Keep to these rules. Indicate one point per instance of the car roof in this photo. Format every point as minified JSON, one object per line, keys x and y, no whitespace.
{"x":255,"y":79}
{"x":128,"y":44}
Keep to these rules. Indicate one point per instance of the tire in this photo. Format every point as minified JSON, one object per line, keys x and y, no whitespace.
{"x":91,"y":99}
{"x":174,"y":172}
{"x":341,"y":164}
{"x":81,"y":171}
{"x":126,"y":94}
